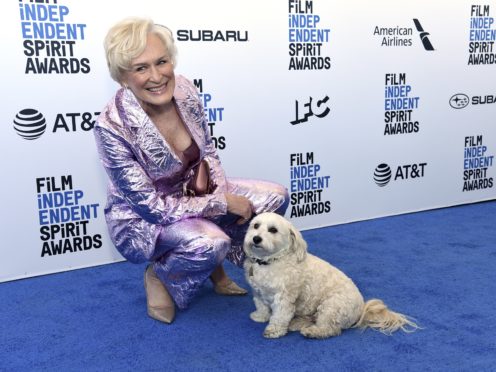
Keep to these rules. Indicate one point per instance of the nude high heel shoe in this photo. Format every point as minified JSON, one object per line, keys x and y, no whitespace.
{"x":159,"y":303}
{"x":229,"y":289}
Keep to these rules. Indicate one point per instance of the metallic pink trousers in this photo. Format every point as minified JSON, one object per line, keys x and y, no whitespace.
{"x":189,"y":250}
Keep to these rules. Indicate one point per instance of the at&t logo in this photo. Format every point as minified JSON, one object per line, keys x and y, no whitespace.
{"x":383,"y":173}
{"x":30,"y":124}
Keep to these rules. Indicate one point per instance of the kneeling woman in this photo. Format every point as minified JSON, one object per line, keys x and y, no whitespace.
{"x":169,"y":201}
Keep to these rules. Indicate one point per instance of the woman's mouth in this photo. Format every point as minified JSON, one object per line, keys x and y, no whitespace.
{"x":158,"y":89}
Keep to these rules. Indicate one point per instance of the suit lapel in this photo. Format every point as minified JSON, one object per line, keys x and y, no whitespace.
{"x":147,"y":138}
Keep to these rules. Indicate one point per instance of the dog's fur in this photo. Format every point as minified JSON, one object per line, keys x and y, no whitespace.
{"x":296,"y":291}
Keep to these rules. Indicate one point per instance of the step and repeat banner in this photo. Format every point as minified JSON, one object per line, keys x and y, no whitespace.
{"x":360,"y":109}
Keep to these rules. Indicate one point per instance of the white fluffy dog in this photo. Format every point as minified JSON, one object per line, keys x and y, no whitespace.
{"x":296,"y":291}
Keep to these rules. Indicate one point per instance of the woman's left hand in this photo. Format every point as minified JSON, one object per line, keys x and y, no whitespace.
{"x":239,"y":205}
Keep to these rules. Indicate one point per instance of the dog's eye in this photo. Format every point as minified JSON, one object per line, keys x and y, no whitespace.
{"x":272,"y":230}
{"x":256,"y":226}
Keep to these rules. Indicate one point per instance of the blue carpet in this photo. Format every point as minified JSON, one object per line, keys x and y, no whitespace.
{"x":436,"y":266}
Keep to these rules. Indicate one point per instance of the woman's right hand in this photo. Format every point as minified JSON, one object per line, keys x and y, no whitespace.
{"x":240,"y":206}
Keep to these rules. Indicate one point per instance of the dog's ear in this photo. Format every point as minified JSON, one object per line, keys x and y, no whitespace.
{"x":298,"y":244}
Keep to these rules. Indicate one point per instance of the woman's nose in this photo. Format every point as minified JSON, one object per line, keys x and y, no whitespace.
{"x":155,"y":74}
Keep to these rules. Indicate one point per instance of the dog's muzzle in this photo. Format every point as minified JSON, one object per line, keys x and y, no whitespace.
{"x":256,"y":241}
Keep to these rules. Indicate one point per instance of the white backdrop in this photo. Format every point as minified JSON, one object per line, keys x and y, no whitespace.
{"x":324,"y":120}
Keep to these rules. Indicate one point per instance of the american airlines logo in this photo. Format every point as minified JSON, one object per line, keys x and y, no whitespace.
{"x":423,"y":35}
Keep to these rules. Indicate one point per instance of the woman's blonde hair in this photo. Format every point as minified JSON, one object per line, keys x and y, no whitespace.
{"x":126,"y":40}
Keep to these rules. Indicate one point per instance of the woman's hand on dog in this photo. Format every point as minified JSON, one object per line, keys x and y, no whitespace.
{"x":240,"y":206}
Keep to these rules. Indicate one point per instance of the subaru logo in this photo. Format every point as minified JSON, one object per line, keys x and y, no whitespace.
{"x":459,"y":101}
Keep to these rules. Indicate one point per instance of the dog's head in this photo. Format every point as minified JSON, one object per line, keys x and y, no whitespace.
{"x":271,"y":235}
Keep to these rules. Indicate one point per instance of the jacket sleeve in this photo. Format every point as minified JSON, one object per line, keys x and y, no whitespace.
{"x":137,"y":189}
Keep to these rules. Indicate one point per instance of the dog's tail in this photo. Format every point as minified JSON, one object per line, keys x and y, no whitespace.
{"x":376,"y":315}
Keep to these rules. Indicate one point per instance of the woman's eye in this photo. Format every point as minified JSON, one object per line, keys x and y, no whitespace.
{"x":272,"y":230}
{"x":256,"y":226}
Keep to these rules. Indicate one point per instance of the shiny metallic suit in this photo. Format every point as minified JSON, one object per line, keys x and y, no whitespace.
{"x":149,"y":216}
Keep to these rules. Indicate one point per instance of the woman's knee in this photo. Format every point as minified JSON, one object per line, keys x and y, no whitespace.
{"x":206,"y":241}
{"x":283,"y":196}
{"x":196,"y":238}
{"x":277,"y":199}
{"x":213,"y":248}
{"x":266,"y":196}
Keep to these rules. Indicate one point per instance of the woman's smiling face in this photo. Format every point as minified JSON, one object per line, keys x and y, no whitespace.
{"x":151,"y":76}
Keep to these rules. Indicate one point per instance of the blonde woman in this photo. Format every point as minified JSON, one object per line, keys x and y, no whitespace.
{"x":169,"y":201}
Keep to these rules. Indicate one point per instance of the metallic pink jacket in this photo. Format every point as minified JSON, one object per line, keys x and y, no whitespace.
{"x":146,"y":177}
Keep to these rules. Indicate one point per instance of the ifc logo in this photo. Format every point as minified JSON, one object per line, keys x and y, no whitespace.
{"x":382,"y":175}
{"x":29,"y":124}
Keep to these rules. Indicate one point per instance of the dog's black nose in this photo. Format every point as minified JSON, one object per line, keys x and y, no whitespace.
{"x":257,"y":239}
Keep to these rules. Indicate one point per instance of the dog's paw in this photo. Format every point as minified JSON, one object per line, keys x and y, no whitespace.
{"x":259,"y":317}
{"x":317,"y":332}
{"x":298,"y":323}
{"x":274,"y":332}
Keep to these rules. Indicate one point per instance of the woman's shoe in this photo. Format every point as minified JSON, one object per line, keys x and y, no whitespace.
{"x":229,"y":289}
{"x":159,"y":303}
